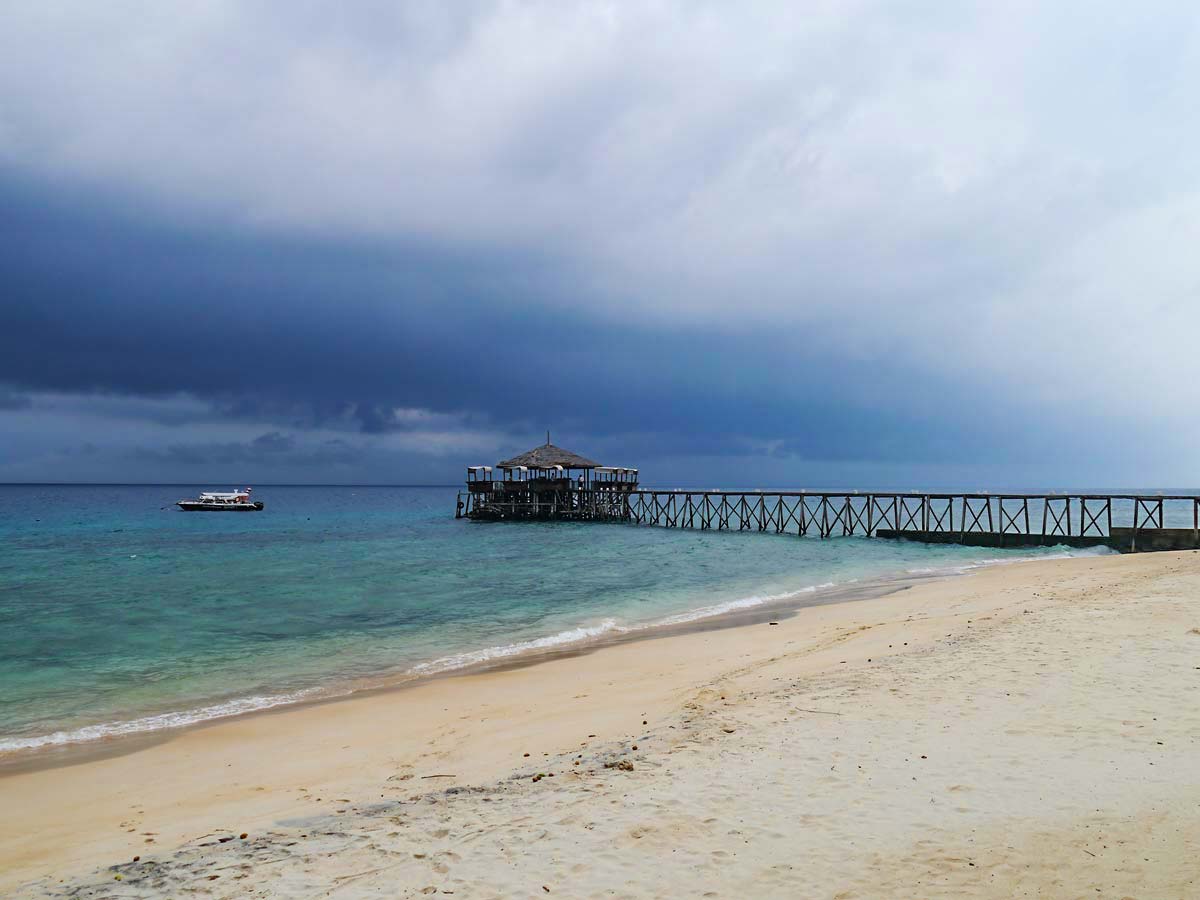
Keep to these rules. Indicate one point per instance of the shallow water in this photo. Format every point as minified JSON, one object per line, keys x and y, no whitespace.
{"x":119,"y":613}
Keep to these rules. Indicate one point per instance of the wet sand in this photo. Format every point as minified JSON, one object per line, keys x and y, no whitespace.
{"x":1027,"y":729}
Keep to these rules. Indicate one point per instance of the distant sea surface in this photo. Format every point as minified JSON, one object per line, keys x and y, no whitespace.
{"x":121,"y":614}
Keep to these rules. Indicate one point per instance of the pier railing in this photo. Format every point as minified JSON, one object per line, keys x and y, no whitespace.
{"x":1123,"y":520}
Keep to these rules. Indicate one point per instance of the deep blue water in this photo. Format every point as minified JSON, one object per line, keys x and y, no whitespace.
{"x":120,"y":613}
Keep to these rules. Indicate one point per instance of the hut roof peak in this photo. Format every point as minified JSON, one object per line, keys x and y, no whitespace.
{"x":548,"y":455}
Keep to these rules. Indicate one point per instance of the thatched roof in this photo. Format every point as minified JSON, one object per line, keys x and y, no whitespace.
{"x":546,"y":456}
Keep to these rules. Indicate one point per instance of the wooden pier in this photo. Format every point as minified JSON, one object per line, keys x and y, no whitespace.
{"x":1126,"y":522}
{"x":548,"y":482}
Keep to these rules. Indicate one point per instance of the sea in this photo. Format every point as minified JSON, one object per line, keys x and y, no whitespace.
{"x":122,"y":615}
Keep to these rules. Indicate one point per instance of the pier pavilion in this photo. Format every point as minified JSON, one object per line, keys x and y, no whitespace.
{"x":548,"y":482}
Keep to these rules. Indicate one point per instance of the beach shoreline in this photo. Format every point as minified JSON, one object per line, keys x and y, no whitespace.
{"x":73,"y":752}
{"x":116,"y":738}
{"x":470,"y":732}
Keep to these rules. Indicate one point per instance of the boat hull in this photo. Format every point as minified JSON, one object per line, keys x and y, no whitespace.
{"x":198,"y":506}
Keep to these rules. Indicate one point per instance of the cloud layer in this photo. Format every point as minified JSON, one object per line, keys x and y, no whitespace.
{"x":826,"y":238}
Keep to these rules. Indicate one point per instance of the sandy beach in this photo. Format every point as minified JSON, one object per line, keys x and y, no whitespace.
{"x":1026,"y":730}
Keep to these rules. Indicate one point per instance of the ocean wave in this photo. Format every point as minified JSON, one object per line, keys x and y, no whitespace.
{"x":158,"y":722}
{"x":958,"y":568}
{"x":586,"y":633}
{"x":474,"y":657}
{"x":706,"y":612}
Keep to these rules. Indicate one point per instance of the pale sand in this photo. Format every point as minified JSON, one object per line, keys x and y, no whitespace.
{"x":1029,"y":730}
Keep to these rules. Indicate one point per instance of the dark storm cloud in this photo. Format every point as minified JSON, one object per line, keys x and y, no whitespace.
{"x":270,"y":449}
{"x":310,"y":334}
{"x":10,"y":400}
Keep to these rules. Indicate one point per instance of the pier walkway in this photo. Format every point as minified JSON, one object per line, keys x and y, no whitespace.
{"x":1126,"y":522}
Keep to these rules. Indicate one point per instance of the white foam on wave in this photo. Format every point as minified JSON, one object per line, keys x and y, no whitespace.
{"x":706,"y":612}
{"x":959,"y":568}
{"x":159,"y":722}
{"x":474,"y":657}
{"x":585,"y":633}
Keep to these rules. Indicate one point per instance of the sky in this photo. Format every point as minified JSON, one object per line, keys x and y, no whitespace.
{"x":832,"y":244}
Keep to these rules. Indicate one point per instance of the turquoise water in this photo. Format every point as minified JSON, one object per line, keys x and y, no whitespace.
{"x":119,"y":613}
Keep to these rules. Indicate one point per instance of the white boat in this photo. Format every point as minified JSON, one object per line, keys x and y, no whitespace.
{"x":230,"y":501}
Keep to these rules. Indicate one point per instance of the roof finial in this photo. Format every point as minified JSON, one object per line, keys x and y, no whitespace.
{"x":547,"y":437}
